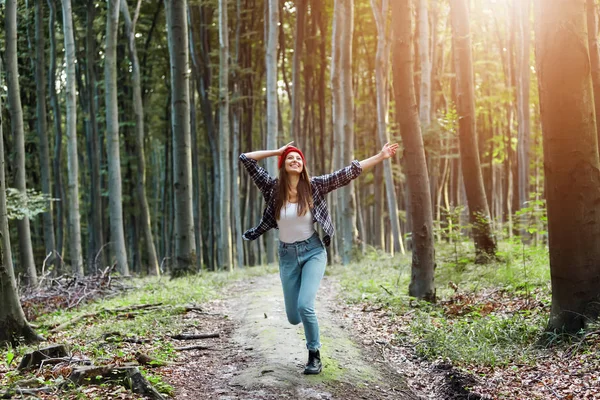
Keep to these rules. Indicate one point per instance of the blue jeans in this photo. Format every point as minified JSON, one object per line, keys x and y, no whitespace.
{"x":301,"y":268}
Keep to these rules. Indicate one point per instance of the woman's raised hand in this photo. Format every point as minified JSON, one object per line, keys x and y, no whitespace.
{"x":282,"y":149}
{"x":389,"y":150}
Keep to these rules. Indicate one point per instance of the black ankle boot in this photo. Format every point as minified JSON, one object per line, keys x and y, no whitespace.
{"x":313,"y":366}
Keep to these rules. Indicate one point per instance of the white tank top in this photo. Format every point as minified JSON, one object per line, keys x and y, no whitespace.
{"x":293,"y":227}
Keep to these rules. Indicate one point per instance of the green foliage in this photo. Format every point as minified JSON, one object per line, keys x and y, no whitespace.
{"x":29,"y":204}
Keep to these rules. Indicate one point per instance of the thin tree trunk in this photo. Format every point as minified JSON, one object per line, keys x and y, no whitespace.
{"x":72,"y":153}
{"x":225,"y":245}
{"x":423,"y":260}
{"x":117,"y":235}
{"x":381,"y":71}
{"x":237,"y":114}
{"x":197,"y":193}
{"x":16,"y":119}
{"x":42,"y":128}
{"x":272,"y":23}
{"x":13,"y":325}
{"x":424,"y":56}
{"x":571,"y":163}
{"x":523,"y":73}
{"x":138,"y":109}
{"x":485,"y":245}
{"x":177,"y":31}
{"x":58,"y":186}
{"x":96,"y":230}
{"x":295,"y":131}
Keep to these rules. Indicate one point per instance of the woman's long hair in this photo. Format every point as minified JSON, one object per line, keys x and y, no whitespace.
{"x":305,"y":200}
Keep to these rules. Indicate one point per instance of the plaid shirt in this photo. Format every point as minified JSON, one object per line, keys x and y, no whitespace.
{"x":321,"y":185}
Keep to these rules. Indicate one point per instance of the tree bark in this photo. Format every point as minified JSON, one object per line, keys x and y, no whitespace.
{"x":272,"y":24}
{"x":58,"y":186}
{"x":16,"y":119}
{"x":138,"y":110}
{"x":592,"y":25}
{"x":177,"y":31}
{"x":381,"y":71}
{"x":13,"y":325}
{"x":295,"y":131}
{"x":571,"y":163}
{"x":117,"y":234}
{"x":96,"y":231}
{"x":72,"y":153}
{"x":237,"y":116}
{"x":424,"y":55}
{"x":225,"y":245}
{"x":42,"y":129}
{"x":423,"y":259}
{"x":479,"y":215}
{"x":523,"y":73}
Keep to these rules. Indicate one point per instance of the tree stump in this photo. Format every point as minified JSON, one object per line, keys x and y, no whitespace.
{"x":35,"y":358}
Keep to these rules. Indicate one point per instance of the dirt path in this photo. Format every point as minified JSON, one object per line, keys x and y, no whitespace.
{"x":261,"y":356}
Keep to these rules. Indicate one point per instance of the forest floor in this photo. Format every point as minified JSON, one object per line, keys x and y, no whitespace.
{"x":261,"y":356}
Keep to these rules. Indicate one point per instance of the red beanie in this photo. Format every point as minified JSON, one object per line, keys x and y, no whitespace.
{"x":288,"y":150}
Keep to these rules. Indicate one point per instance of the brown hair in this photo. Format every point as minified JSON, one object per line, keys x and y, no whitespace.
{"x":304,"y":189}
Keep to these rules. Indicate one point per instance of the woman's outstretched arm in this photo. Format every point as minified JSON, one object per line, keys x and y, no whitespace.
{"x":386,"y":152}
{"x":262,"y":154}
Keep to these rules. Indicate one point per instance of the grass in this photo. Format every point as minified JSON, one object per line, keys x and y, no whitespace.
{"x":471,"y":323}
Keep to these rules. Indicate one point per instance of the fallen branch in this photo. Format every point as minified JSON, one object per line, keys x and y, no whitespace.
{"x":183,"y":336}
{"x":196,"y":347}
{"x":10,"y":393}
{"x":107,"y":311}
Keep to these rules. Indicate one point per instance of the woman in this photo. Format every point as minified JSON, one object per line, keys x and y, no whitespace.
{"x":294,"y":202}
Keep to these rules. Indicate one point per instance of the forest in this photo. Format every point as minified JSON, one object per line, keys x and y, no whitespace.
{"x":467,"y":265}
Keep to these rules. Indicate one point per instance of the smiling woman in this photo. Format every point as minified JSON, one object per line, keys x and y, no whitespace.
{"x":294,"y":203}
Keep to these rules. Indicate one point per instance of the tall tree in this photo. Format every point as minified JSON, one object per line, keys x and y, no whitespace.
{"x":479,"y":215}
{"x":16,"y":119}
{"x":177,"y":32}
{"x":523,"y":113}
{"x":138,"y":110}
{"x":115,"y":202}
{"x":42,"y":126}
{"x":296,"y":70}
{"x":97,"y":257}
{"x":224,"y":145}
{"x":423,"y":260}
{"x":57,"y":162}
{"x":72,"y":154}
{"x":236,"y":120}
{"x":571,"y":162}
{"x":592,"y":25}
{"x":381,"y":81}
{"x":424,"y":56}
{"x":13,"y":324}
{"x":272,"y":31}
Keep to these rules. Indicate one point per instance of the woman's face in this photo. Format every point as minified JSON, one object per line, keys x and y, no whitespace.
{"x":293,"y":163}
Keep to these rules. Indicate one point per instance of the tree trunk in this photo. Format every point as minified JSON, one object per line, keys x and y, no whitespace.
{"x":381,"y":71}
{"x":58,"y":186}
{"x":96,"y":231}
{"x":523,"y":73}
{"x":16,"y":119}
{"x":13,"y":325}
{"x":42,"y":128}
{"x":424,"y":55}
{"x":592,"y":25}
{"x":423,"y":260}
{"x":237,"y":115}
{"x":72,"y":154}
{"x":571,"y":163}
{"x":272,"y":23}
{"x":117,"y":235}
{"x":295,"y":131}
{"x":479,"y":215}
{"x":138,"y":109}
{"x":225,"y":245}
{"x":177,"y":31}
